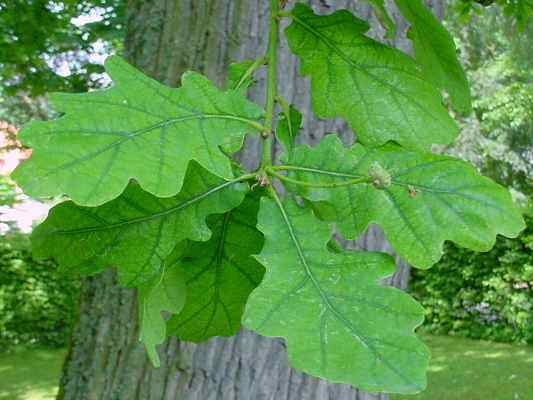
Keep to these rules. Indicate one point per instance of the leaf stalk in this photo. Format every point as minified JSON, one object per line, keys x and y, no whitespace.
{"x":272,"y":56}
{"x":284,"y":178}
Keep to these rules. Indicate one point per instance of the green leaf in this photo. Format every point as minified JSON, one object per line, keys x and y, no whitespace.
{"x":431,"y":198}
{"x":377,"y":89}
{"x":238,"y":79}
{"x":164,"y":293}
{"x":383,"y":16}
{"x":338,"y":321}
{"x":220,"y":275}
{"x":436,"y":53}
{"x":137,"y":129}
{"x":136,"y":231}
{"x":289,"y":123}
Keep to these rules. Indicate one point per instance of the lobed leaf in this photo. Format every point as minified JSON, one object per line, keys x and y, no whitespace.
{"x":219,"y":275}
{"x":137,"y":231}
{"x":164,"y":293}
{"x":431,"y":198}
{"x":377,"y":89}
{"x":338,"y":321}
{"x":136,"y":129}
{"x":436,"y":53}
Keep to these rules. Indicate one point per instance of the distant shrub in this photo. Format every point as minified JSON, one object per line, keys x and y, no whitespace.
{"x":37,"y":304}
{"x":481,"y":295}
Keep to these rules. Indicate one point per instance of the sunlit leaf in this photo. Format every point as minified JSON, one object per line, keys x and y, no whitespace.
{"x":137,"y":129}
{"x":377,"y":89}
{"x":436,"y":52}
{"x":431,"y":198}
{"x":338,"y":321}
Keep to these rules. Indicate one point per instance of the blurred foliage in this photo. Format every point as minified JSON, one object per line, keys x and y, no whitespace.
{"x":8,"y":194}
{"x":19,"y":108}
{"x":37,"y":303}
{"x":518,"y":10}
{"x":38,"y":35}
{"x":498,"y":138}
{"x":481,"y":295}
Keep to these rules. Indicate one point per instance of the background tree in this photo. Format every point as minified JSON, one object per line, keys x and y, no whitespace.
{"x":498,"y":137}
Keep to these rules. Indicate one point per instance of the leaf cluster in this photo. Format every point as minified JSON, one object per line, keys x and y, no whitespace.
{"x":155,"y":194}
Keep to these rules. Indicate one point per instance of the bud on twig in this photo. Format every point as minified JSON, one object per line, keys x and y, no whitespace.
{"x":380,"y":177}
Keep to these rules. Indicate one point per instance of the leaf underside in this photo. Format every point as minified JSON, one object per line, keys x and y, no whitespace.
{"x":431,"y":199}
{"x":164,"y":293}
{"x":137,"y":231}
{"x":377,"y":89}
{"x":220,"y":274}
{"x":137,"y":129}
{"x":339,"y":323}
{"x":436,"y":53}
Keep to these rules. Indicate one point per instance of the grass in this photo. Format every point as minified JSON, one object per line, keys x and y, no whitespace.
{"x":30,"y":374}
{"x":465,"y":369}
{"x":460,"y":369}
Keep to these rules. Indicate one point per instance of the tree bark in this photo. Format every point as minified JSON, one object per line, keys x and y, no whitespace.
{"x":105,"y":359}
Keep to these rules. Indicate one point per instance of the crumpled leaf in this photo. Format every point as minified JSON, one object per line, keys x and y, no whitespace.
{"x":436,"y":53}
{"x":288,"y":127}
{"x":237,"y":79}
{"x":164,"y":293}
{"x":137,"y":129}
{"x":338,"y":321}
{"x":136,"y":231}
{"x":383,"y":16}
{"x":431,"y":198}
{"x":220,"y":274}
{"x":377,"y":89}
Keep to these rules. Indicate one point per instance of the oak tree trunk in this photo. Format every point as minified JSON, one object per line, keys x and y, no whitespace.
{"x":105,"y":359}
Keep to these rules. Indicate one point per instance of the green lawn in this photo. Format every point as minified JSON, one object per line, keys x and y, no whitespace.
{"x":460,"y":369}
{"x":464,"y":369}
{"x":30,"y":374}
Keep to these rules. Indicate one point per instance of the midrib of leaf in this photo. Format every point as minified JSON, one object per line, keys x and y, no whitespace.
{"x":419,"y":187}
{"x":325,"y":297}
{"x":216,"y":297}
{"x":316,"y":171}
{"x":408,"y":223}
{"x":125,"y":137}
{"x":218,"y":259}
{"x":361,"y":68}
{"x":157,"y":215}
